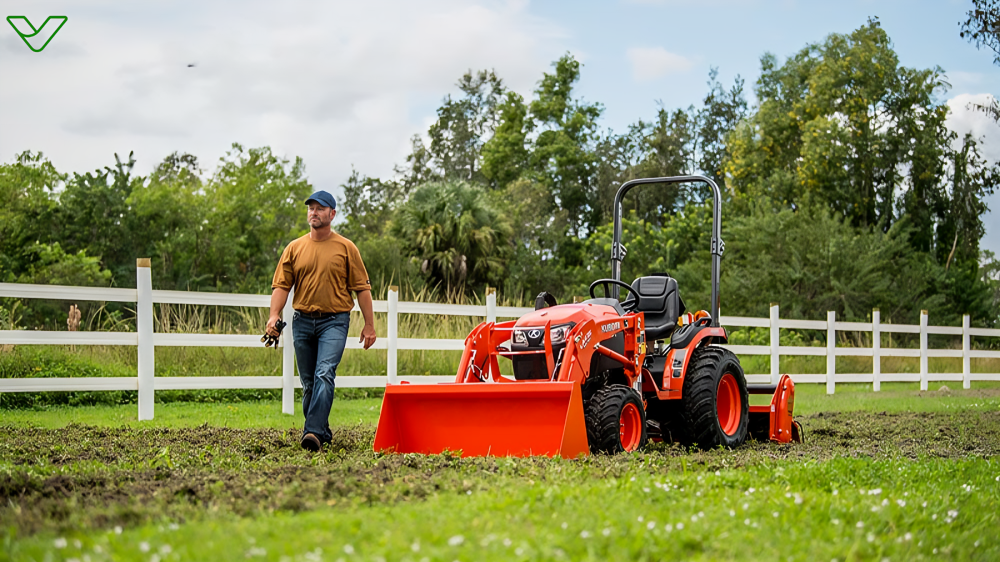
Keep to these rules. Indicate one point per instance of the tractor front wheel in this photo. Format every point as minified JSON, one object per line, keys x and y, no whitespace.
{"x":616,"y":420}
{"x":715,"y":401}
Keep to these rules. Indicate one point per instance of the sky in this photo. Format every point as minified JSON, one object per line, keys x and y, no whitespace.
{"x":346,"y":84}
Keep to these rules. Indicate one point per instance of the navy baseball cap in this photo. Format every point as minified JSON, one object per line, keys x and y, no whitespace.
{"x":323,"y":198}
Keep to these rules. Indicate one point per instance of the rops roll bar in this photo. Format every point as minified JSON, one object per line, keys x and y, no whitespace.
{"x":718,"y":246}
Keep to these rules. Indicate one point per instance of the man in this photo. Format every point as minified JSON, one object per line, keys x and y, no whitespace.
{"x":323,"y":267}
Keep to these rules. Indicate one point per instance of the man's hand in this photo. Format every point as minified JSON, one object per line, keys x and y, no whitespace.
{"x":367,"y":336}
{"x":271,"y":330}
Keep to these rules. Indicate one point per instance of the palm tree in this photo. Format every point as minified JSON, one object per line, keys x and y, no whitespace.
{"x":456,"y":234}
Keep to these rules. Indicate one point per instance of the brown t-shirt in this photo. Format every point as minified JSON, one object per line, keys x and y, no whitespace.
{"x":323,"y":273}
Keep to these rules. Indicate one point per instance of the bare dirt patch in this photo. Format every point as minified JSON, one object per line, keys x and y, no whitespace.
{"x":96,"y":477}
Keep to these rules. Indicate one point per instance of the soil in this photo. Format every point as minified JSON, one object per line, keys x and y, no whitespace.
{"x":96,"y":477}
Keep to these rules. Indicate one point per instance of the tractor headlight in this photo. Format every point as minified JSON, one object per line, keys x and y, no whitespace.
{"x":520,"y":338}
{"x":559,"y":333}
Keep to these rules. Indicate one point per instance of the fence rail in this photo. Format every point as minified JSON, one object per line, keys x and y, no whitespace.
{"x":146,"y":340}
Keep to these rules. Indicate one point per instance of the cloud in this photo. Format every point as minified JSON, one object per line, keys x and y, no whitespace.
{"x":338,"y":83}
{"x":963,"y":119}
{"x":656,"y":62}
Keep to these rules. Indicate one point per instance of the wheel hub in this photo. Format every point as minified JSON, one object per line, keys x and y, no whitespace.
{"x":728,"y":404}
{"x":630,"y":427}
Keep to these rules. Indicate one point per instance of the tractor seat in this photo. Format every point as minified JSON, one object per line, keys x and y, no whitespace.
{"x":660,"y":302}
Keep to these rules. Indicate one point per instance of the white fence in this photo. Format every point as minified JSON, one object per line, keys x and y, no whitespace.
{"x":146,"y":383}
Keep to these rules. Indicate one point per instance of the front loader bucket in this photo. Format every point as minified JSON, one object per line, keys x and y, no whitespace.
{"x":503,"y":419}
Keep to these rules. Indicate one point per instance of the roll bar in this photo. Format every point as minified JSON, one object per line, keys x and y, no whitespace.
{"x":718,"y":246}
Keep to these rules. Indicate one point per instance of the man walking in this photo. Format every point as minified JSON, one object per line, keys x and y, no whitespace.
{"x":324,"y":268}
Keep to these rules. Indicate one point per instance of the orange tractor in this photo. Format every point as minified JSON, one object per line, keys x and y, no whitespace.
{"x":604,"y":375}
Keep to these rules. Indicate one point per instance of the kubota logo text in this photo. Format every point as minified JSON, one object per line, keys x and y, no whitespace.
{"x":39,"y":37}
{"x":611,"y":327}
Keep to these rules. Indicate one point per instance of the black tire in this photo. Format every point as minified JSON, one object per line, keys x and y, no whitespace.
{"x":615,"y":410}
{"x":707,"y":369}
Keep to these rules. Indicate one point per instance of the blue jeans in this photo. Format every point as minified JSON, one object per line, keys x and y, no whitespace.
{"x":319,"y":345}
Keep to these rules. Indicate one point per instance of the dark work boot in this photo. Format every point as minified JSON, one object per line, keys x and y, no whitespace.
{"x":310,"y":442}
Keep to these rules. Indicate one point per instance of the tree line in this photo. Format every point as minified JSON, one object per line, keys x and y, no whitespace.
{"x":842,"y":190}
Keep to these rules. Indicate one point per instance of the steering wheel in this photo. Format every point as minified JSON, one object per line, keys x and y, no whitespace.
{"x":607,"y":283}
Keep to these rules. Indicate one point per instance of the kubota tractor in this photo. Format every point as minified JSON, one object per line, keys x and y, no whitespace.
{"x":604,"y":375}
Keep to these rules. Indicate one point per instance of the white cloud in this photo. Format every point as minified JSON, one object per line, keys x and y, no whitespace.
{"x":963,"y":119}
{"x":338,"y":83}
{"x":656,"y":62}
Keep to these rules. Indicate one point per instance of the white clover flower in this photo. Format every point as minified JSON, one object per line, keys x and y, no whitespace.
{"x":860,"y":525}
{"x":651,"y":525}
{"x":456,"y":540}
{"x":835,"y":521}
{"x":639,"y":519}
{"x":606,"y":532}
{"x":746,"y":522}
{"x":901,"y":503}
{"x":798,"y":499}
{"x":680,"y":526}
{"x":59,"y":543}
{"x":348,"y":549}
{"x":118,"y":529}
{"x":870,"y":537}
{"x":584,"y":534}
{"x":564,"y":525}
{"x":668,"y":527}
{"x":144,"y":546}
{"x":506,"y":542}
{"x":875,"y":492}
{"x":415,"y":547}
{"x":775,"y":514}
{"x":908,"y":537}
{"x":694,"y":518}
{"x":732,"y":513}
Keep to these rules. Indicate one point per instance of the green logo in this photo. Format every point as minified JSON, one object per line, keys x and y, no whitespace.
{"x":36,"y":32}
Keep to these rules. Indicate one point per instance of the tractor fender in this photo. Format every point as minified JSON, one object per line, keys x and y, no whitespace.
{"x":679,"y":358}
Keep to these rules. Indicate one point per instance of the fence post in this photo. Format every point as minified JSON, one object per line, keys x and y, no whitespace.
{"x":775,"y":342}
{"x":393,"y":324}
{"x":491,"y":304}
{"x":923,"y":350}
{"x":144,"y":329}
{"x":831,"y":351}
{"x":876,"y":350}
{"x":966,"y":348}
{"x":288,"y":358}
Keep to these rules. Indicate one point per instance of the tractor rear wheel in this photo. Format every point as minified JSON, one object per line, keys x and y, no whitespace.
{"x":616,"y":420}
{"x":715,"y":403}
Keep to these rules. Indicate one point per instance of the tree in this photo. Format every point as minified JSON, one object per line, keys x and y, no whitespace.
{"x":456,"y":235}
{"x":721,"y":111}
{"x":94,"y":215}
{"x":845,"y":124}
{"x":562,"y":154}
{"x":166,"y":222}
{"x":982,"y":27}
{"x":463,"y":125}
{"x":255,"y":207}
{"x":26,"y":210}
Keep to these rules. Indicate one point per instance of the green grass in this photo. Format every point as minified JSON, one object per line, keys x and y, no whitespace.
{"x":809,"y":399}
{"x":847,"y":509}
{"x":240,"y":415}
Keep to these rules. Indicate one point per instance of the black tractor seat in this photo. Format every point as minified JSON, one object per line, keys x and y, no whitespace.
{"x":660,"y":301}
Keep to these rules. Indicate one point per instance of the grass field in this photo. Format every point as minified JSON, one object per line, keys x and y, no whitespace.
{"x":899,"y":474}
